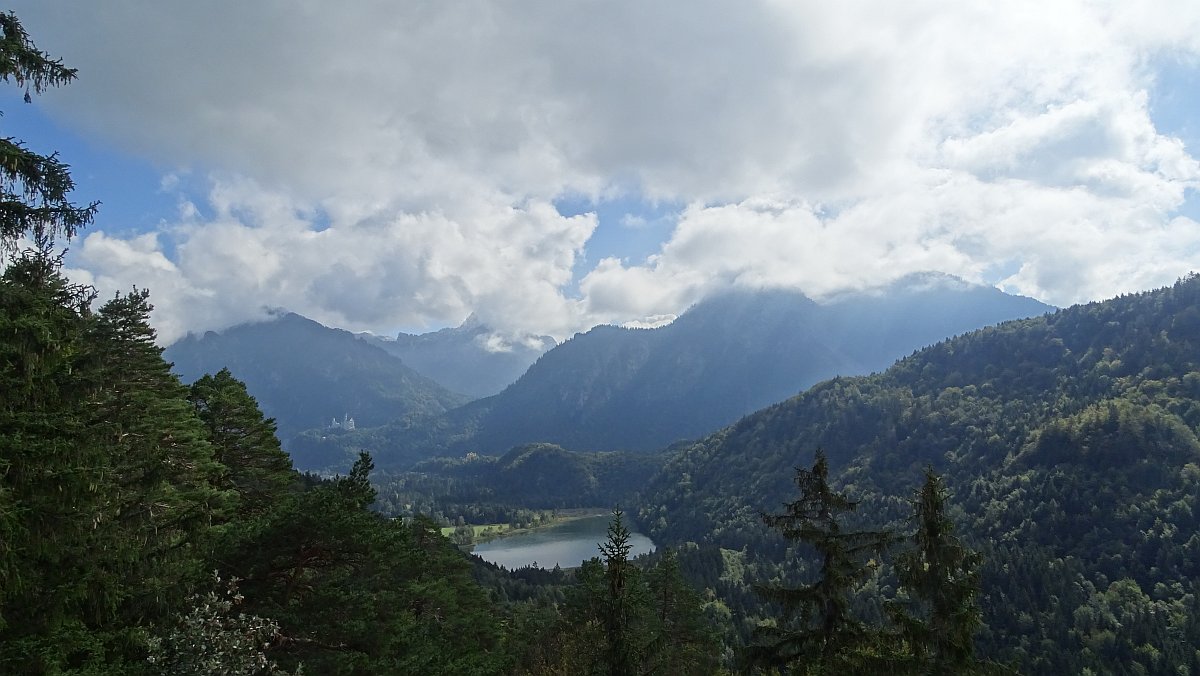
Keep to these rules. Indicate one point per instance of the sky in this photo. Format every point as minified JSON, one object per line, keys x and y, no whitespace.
{"x":548,"y":165}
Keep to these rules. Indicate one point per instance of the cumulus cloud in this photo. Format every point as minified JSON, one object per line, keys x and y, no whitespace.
{"x":383,"y":164}
{"x":257,"y":253}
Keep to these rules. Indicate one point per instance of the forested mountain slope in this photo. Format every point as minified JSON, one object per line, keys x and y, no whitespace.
{"x":304,"y":374}
{"x":616,"y":388}
{"x":535,"y":476}
{"x":1070,"y":442}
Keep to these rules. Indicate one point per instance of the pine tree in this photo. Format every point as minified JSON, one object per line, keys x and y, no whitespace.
{"x":941,"y":577}
{"x":683,"y":640}
{"x":254,"y":466}
{"x":606,"y":620}
{"x":161,"y":474}
{"x":107,"y":482}
{"x":824,"y":637}
{"x":52,"y":488}
{"x":49,"y":493}
{"x":623,"y":602}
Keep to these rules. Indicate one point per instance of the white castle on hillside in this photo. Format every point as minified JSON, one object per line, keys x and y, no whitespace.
{"x":346,"y":423}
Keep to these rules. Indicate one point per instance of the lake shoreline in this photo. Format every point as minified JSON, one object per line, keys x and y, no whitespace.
{"x":573,"y":539}
{"x":560,"y":517}
{"x":497,"y":531}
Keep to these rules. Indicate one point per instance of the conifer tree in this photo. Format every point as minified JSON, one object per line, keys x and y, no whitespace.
{"x":52,"y":493}
{"x":623,"y":602}
{"x":941,"y":577}
{"x":161,"y":469}
{"x":254,"y":466}
{"x":104,"y":480}
{"x":33,"y":187}
{"x":683,"y":641}
{"x":819,"y":634}
{"x":107,"y":477}
{"x":607,"y":616}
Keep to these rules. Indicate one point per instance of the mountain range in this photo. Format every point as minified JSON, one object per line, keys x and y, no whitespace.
{"x":615,"y":388}
{"x":471,"y":358}
{"x":305,"y":375}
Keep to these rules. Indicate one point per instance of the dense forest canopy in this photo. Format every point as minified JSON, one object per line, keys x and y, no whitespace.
{"x":1069,"y":442}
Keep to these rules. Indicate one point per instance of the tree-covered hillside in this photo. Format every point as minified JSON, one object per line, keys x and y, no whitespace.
{"x":1069,"y":442}
{"x":535,"y":476}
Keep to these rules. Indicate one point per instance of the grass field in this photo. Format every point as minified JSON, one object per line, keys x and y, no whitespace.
{"x":489,"y":531}
{"x":496,"y":529}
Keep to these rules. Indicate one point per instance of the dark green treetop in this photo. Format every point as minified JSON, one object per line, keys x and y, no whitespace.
{"x":623,"y":602}
{"x":256,"y":468}
{"x":941,"y":578}
{"x":823,"y":637}
{"x":684,"y":641}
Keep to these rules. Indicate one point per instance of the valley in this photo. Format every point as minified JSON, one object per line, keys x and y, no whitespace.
{"x":651,"y":361}
{"x":1001,"y":412}
{"x":1004,"y":414}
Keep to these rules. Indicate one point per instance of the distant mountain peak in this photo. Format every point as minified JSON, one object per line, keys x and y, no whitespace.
{"x":930,"y":279}
{"x":471,"y":358}
{"x":472,"y":322}
{"x":619,"y":388}
{"x":302,"y":372}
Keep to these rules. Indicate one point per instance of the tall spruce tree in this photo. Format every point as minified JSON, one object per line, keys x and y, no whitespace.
{"x":606,"y":629}
{"x":941,"y":578}
{"x":48,"y":495}
{"x":104,"y":471}
{"x":162,"y":465}
{"x":107,"y":481}
{"x":53,"y":490}
{"x":819,"y":634}
{"x":624,"y":601}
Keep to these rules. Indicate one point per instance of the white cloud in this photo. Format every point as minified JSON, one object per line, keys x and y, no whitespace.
{"x":409,"y":269}
{"x":634,"y":221}
{"x":377,"y":164}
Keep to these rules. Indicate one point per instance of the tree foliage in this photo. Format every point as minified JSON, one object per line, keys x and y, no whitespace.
{"x":214,"y":637}
{"x":825,"y":638}
{"x":256,"y":469}
{"x":940,"y":577}
{"x":34,"y":188}
{"x":1071,"y":444}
